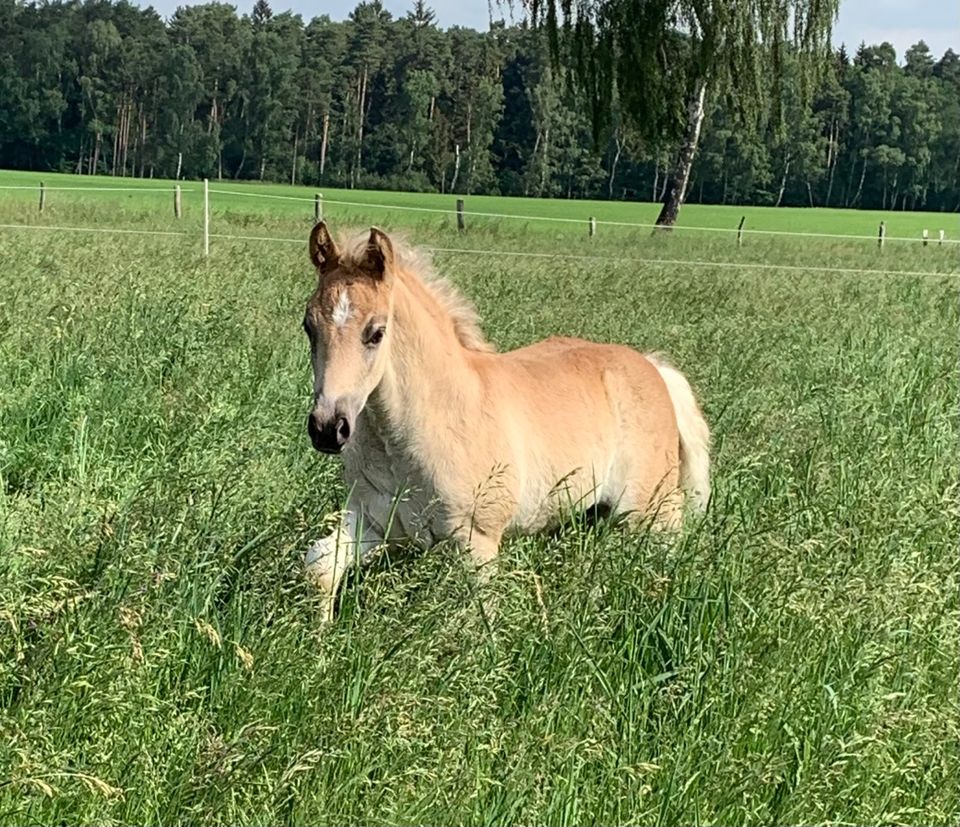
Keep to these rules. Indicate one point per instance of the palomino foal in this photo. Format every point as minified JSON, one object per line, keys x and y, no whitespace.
{"x":442,"y":437}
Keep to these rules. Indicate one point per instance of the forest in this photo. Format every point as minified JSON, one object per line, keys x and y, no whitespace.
{"x":108,"y":88}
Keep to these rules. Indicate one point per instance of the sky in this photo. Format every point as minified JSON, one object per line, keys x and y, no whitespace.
{"x":901,"y":22}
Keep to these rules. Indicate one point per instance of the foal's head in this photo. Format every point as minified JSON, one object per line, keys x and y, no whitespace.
{"x":348,"y":322}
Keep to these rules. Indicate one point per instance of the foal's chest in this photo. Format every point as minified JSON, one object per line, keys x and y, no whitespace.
{"x":396,"y":499}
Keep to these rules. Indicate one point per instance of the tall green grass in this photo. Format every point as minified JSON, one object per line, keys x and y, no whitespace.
{"x":791,"y":658}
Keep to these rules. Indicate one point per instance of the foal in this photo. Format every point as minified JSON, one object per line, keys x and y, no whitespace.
{"x":442,"y":437}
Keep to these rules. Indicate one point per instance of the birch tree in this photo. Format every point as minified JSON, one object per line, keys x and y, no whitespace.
{"x":666,"y":58}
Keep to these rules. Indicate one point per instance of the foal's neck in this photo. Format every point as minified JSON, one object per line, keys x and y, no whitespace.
{"x":430,"y":375}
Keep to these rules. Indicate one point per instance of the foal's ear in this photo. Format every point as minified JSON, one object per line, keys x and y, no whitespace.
{"x":378,"y":258}
{"x":323,"y":252}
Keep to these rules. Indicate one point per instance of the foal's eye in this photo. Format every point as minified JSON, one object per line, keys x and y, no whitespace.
{"x":375,"y":337}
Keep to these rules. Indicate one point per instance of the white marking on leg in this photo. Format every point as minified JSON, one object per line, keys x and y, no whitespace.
{"x":341,"y":313}
{"x":329,"y":559}
{"x":348,"y":541}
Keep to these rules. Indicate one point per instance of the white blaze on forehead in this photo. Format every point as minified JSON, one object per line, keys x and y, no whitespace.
{"x":341,"y":311}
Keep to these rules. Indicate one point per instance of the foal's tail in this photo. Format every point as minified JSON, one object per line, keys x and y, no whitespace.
{"x":694,"y":434}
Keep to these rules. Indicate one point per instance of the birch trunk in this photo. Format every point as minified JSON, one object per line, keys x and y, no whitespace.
{"x":613,"y":166}
{"x":126,"y":135}
{"x":323,"y":143}
{"x":456,"y":169}
{"x":361,"y":111}
{"x":526,"y":178}
{"x":680,"y":177}
{"x":832,"y":165}
{"x":544,"y":161}
{"x":95,"y":160}
{"x":293,"y":167}
{"x":116,"y":139}
{"x":783,"y":182}
{"x":863,"y":175}
{"x":143,"y":141}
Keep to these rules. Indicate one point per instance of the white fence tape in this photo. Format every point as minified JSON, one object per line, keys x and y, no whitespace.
{"x":599,"y":221}
{"x":487,"y":252}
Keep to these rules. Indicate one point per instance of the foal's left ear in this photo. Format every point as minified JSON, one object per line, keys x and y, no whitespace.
{"x":378,"y":258}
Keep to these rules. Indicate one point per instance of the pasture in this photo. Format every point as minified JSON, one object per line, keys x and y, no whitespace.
{"x":791,"y":658}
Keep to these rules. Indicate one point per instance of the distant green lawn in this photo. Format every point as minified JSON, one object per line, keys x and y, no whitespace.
{"x":831,"y":221}
{"x":792,"y":658}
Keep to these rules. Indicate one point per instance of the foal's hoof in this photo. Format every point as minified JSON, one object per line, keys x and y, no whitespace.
{"x":315,"y":557}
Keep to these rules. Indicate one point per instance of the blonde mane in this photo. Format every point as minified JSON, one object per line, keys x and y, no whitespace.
{"x":415,"y":263}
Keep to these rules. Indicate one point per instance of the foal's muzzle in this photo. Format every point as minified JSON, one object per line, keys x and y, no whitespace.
{"x":328,"y":434}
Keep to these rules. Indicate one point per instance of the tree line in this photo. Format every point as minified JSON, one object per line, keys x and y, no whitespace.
{"x":107,"y":88}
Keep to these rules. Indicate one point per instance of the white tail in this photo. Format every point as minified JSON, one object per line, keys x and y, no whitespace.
{"x":694,"y":434}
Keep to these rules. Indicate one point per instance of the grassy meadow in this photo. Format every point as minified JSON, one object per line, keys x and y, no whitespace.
{"x":791,"y":658}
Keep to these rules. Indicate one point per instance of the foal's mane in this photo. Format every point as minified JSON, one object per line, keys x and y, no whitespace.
{"x":415,"y":263}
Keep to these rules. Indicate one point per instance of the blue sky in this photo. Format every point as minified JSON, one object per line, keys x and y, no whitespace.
{"x":901,"y":22}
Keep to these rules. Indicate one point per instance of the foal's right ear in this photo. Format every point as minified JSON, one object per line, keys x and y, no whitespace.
{"x":323,"y":252}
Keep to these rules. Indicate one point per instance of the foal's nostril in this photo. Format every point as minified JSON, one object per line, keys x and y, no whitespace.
{"x":328,"y":433}
{"x":312,"y":428}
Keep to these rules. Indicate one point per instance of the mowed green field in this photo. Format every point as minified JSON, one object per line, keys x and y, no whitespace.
{"x":791,"y":658}
{"x":351,"y":205}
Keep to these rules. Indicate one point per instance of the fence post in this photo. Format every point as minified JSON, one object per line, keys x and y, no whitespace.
{"x":206,"y":217}
{"x":317,"y":208}
{"x":740,"y":231}
{"x":881,"y":234}
{"x":940,"y":244}
{"x":460,"y":224}
{"x":593,"y":226}
{"x":43,"y":196}
{"x":926,"y":236}
{"x":177,"y":206}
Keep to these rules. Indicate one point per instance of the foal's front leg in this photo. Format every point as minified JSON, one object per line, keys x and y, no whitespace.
{"x":480,"y":552}
{"x":330,"y":558}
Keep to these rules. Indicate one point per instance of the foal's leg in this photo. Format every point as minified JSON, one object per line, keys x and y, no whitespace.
{"x":481,"y":550}
{"x":330,"y":558}
{"x":661,"y":504}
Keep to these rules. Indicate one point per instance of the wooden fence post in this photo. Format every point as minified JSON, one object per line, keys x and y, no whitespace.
{"x":460,"y":224}
{"x":43,"y":196}
{"x":926,"y":237}
{"x":317,"y":208}
{"x":593,"y":226}
{"x":881,"y":235}
{"x":177,"y":206}
{"x":740,"y":231}
{"x":940,"y":244}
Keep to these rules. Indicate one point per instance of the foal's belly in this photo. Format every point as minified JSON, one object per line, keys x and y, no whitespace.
{"x":556,"y":497}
